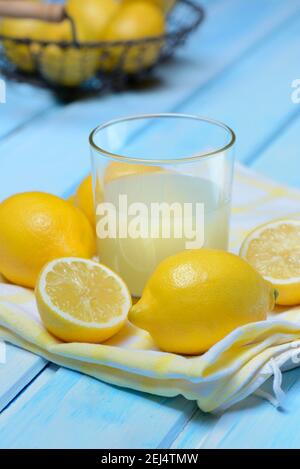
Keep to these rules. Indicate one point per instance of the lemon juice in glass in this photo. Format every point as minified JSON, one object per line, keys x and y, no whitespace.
{"x":162,"y":184}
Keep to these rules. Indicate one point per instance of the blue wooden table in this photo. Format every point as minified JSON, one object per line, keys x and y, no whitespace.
{"x":238,"y":68}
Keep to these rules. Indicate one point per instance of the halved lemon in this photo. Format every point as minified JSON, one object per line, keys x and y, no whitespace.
{"x":274,"y":250}
{"x":80,"y":300}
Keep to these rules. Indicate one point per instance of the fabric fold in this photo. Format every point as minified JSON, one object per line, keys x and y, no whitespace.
{"x":230,"y":371}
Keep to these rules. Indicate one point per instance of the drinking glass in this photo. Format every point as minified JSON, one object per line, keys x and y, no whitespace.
{"x":162,"y":184}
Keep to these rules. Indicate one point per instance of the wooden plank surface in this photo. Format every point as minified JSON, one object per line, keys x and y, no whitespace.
{"x":64,"y":409}
{"x":24,"y":104}
{"x":20,"y":368}
{"x":280,"y":159}
{"x":253,"y":97}
{"x":70,"y":409}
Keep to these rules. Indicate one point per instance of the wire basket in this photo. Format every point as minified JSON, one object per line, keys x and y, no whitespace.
{"x":92,"y":66}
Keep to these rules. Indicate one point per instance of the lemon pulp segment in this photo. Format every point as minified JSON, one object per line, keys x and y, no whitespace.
{"x":80,"y":300}
{"x":276,"y":252}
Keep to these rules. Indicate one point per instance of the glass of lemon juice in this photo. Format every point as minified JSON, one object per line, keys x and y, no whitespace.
{"x":162,"y":184}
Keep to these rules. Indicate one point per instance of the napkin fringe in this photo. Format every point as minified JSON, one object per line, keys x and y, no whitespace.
{"x":279,"y":395}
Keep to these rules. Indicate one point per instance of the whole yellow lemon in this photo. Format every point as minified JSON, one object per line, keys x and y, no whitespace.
{"x":91,"y":17}
{"x":36,"y":228}
{"x":54,"y":31}
{"x":84,"y":199}
{"x":70,"y":66}
{"x":135,"y":20}
{"x":165,"y":5}
{"x":67,"y":66}
{"x":20,"y":54}
{"x":196,"y":297}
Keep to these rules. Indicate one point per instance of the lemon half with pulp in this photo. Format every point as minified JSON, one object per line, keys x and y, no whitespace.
{"x":80,"y":300}
{"x":273,"y":249}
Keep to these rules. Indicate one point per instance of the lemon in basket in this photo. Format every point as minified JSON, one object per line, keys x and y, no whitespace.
{"x":68,"y":66}
{"x":197,"y":297}
{"x":35,"y":228}
{"x":81,"y":301}
{"x":64,"y":65}
{"x":165,"y":5}
{"x":71,"y":65}
{"x":91,"y":17}
{"x":20,"y":54}
{"x":134,"y":20}
{"x":274,"y":250}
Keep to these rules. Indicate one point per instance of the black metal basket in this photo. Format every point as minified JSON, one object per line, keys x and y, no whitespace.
{"x":91,"y":66}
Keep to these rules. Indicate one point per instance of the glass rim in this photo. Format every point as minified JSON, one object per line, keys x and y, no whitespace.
{"x":148,"y":161}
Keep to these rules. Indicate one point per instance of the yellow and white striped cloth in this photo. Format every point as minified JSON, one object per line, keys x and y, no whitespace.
{"x":230,"y":371}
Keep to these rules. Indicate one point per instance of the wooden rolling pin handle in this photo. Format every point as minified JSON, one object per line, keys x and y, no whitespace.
{"x":19,"y":9}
